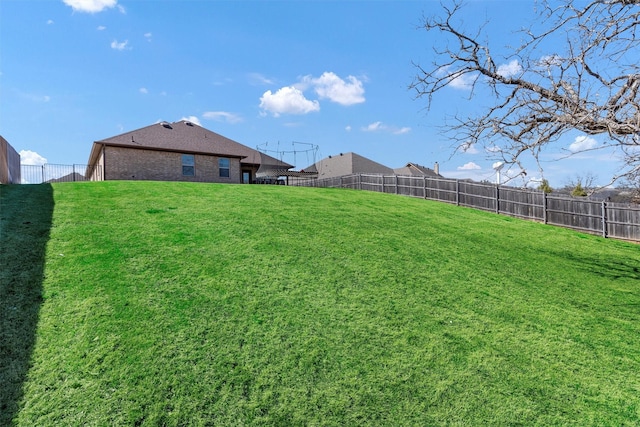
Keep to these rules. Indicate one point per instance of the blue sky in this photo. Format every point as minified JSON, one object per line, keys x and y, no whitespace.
{"x":263,"y":73}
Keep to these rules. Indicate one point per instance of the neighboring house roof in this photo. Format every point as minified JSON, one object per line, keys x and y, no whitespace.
{"x":72,"y":177}
{"x":346,"y":164}
{"x":415,"y":169}
{"x":185,"y":137}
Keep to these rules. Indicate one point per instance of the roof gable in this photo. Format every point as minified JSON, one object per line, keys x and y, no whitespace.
{"x":415,"y":169}
{"x":347,"y":164}
{"x":187,"y":137}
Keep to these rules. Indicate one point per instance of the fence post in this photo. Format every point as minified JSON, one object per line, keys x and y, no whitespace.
{"x":396,"y":180}
{"x":359,"y":181}
{"x":43,"y":172}
{"x":604,"y":219}
{"x":457,"y":192}
{"x":424,"y":186}
{"x":497,"y":199}
{"x":544,"y":207}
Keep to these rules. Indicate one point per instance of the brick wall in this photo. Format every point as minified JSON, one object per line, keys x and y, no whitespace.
{"x":131,"y":163}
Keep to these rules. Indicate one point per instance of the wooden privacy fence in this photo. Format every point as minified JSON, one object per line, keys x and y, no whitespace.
{"x":615,"y":220}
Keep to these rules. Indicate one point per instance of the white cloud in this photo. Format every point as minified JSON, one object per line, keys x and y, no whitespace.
{"x":381,"y":127}
{"x":50,"y":22}
{"x":101,"y":28}
{"x":92,"y":6}
{"x":287,"y":100}
{"x":462,"y":81}
{"x":192,"y":119}
{"x":510,"y":69}
{"x":374,"y":127}
{"x":348,"y":128}
{"x":28,"y":157}
{"x":222,"y":82}
{"x":221,"y":116}
{"x":32,"y":97}
{"x":469,"y":166}
{"x":291,"y":99}
{"x":292,"y":124}
{"x":582,"y":143}
{"x":258,"y":79}
{"x":148,"y":36}
{"x":330,"y":86}
{"x":402,"y":131}
{"x":120,"y":46}
{"x":457,"y":80}
{"x":470,"y":148}
{"x":143,"y":90}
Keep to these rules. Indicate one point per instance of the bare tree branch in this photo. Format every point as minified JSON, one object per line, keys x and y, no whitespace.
{"x":592,"y":85}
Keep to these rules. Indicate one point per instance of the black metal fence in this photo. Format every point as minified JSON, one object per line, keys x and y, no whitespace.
{"x":38,"y":174}
{"x":615,"y":220}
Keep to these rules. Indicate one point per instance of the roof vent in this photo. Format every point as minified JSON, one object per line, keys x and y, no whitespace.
{"x":188,"y":124}
{"x":166,"y":125}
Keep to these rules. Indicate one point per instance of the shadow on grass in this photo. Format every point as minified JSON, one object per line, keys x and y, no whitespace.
{"x":607,"y":267}
{"x":25,"y":222}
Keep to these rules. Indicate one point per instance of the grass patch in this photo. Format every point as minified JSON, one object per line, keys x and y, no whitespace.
{"x":204,"y":304}
{"x":25,"y":221}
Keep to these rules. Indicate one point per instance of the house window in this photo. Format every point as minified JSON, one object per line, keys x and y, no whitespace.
{"x":188,"y":165}
{"x":223,"y":165}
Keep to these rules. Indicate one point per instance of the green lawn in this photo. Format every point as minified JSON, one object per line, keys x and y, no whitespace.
{"x":146,"y":303}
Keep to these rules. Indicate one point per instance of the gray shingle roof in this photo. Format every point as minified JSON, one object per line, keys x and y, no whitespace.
{"x":347,"y":164}
{"x":187,"y":137}
{"x":414,"y":169}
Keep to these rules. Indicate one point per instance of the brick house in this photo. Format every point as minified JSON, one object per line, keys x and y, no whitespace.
{"x":179,"y":151}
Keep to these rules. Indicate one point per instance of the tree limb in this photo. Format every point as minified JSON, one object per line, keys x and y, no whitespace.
{"x":591,"y":86}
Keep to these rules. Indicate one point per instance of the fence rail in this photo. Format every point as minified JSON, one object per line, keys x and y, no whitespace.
{"x":38,"y":174}
{"x":613,"y":220}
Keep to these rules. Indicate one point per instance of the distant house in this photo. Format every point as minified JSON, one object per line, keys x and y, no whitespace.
{"x":72,"y":177}
{"x":347,"y":164}
{"x":180,"y":151}
{"x":413,"y":169}
{"x":352,"y":163}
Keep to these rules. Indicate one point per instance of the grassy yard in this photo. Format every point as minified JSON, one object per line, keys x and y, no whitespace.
{"x":145,"y":303}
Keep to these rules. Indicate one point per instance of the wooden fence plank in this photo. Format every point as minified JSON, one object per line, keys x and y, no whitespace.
{"x":614,"y":220}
